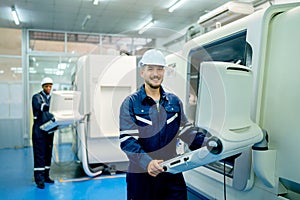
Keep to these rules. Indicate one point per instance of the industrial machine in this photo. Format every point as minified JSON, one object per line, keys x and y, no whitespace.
{"x":267,"y":43}
{"x":223,"y":110}
{"x":103,"y":81}
{"x":65,"y":108}
{"x":240,"y":83}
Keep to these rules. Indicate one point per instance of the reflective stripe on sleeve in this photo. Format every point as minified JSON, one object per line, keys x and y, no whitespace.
{"x":42,"y":106}
{"x":182,"y":129}
{"x":186,"y":126}
{"x":127,"y":137}
{"x":39,"y":169}
{"x":129,"y":132}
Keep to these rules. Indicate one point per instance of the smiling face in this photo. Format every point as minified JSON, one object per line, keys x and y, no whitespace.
{"x":153,"y":75}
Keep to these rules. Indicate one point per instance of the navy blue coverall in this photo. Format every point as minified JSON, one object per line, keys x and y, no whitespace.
{"x":150,"y":132}
{"x":42,"y":141}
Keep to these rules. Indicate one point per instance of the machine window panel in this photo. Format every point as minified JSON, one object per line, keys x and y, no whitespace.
{"x":233,"y":48}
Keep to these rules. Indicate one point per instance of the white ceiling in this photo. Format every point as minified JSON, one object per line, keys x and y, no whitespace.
{"x":109,"y":17}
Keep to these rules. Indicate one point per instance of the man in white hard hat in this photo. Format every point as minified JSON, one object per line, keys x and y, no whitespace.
{"x":42,"y":141}
{"x":150,"y":120}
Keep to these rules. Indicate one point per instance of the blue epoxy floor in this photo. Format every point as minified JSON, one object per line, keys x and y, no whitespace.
{"x":16,"y":182}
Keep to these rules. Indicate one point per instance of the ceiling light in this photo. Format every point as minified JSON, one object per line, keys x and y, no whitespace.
{"x":176,"y":5}
{"x":86,"y":19}
{"x":146,"y":27}
{"x":15,"y":15}
{"x":95,"y":2}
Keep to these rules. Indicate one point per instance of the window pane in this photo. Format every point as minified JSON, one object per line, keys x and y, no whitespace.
{"x":83,"y":43}
{"x":10,"y":41}
{"x":10,"y":69}
{"x":46,"y":41}
{"x":58,"y":68}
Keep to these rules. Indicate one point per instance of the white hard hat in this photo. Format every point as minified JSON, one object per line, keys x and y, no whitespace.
{"x":153,"y":57}
{"x":46,"y":80}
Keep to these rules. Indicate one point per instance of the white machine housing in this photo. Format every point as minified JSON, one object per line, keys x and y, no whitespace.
{"x":223,"y":109}
{"x":64,"y":106}
{"x":224,"y":102}
{"x":104,"y":81}
{"x":271,"y":39}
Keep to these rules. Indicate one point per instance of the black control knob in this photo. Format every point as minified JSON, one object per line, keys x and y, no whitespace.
{"x":214,"y":145}
{"x":165,"y":168}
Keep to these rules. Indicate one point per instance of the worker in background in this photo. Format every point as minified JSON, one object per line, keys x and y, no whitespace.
{"x":42,"y":141}
{"x":150,"y":120}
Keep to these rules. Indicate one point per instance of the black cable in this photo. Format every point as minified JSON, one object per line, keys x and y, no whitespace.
{"x":224,"y":181}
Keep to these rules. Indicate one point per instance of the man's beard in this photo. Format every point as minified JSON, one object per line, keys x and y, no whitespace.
{"x":153,"y":86}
